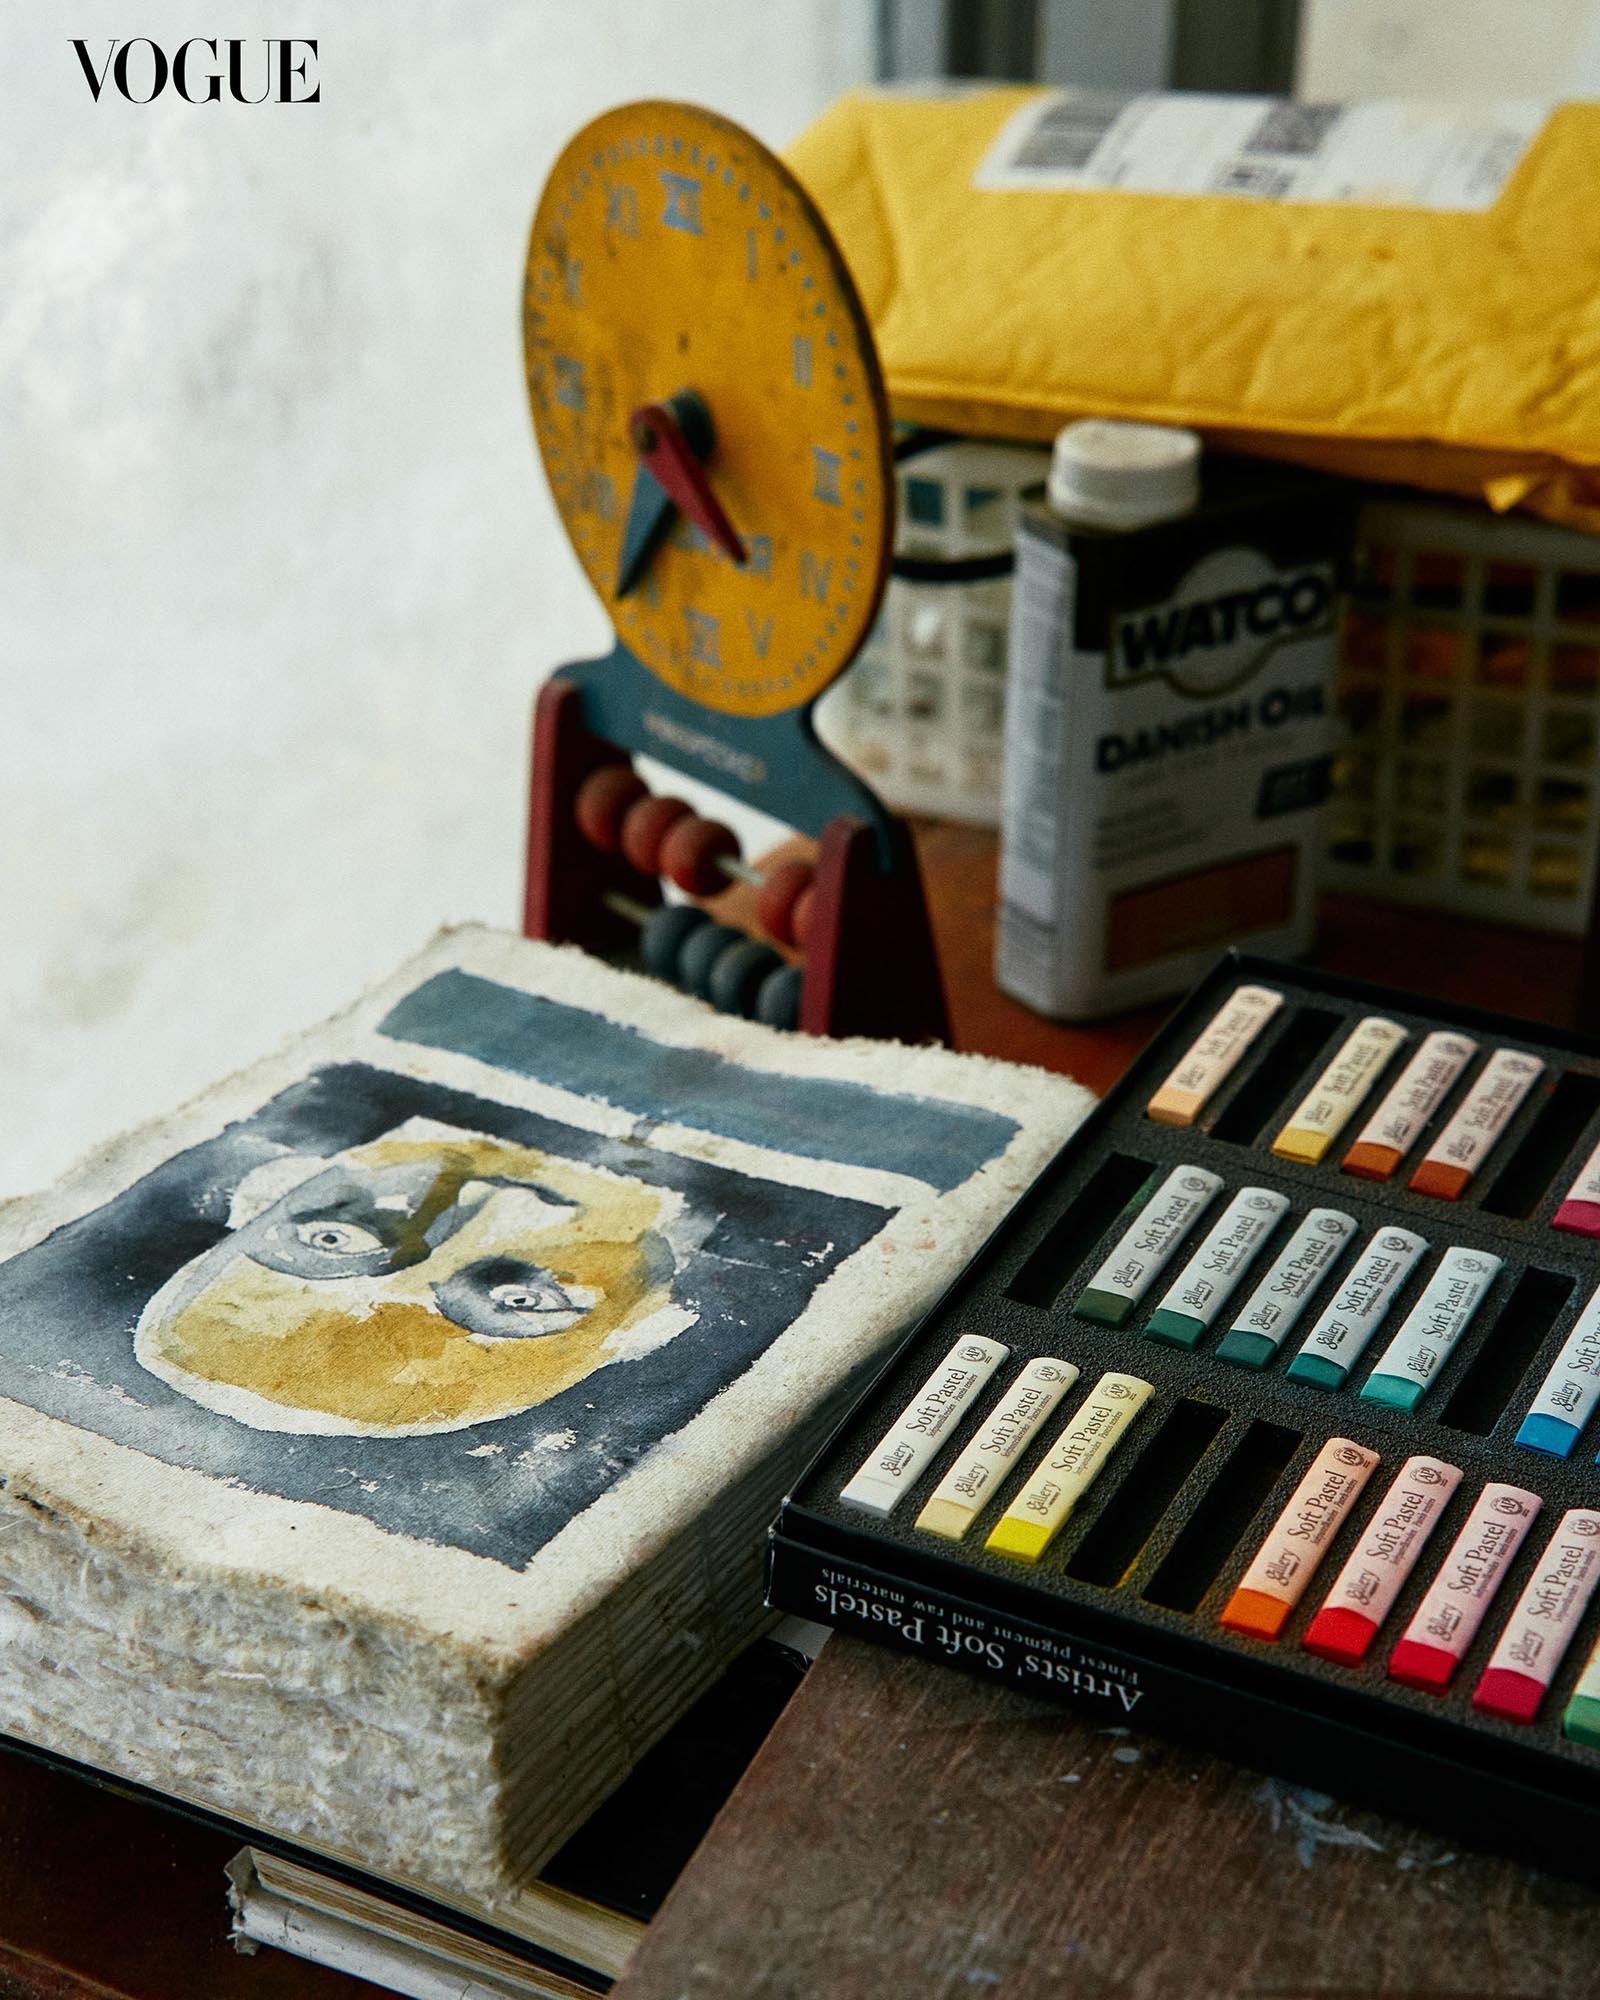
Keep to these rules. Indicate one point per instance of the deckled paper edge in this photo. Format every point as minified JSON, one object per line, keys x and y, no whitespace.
{"x":191,"y":1519}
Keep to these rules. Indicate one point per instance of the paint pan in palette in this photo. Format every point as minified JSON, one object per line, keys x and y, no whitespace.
{"x":1409,"y":1625}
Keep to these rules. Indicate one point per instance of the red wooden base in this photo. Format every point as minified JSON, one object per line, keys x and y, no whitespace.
{"x":567,"y":880}
{"x":870,"y":966}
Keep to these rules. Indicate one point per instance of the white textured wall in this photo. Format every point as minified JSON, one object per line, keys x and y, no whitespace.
{"x":277,"y":567}
{"x":1449,"y":48}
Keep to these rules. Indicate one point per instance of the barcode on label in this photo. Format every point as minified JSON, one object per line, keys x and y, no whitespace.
{"x":1254,"y":177}
{"x":1294,"y":130}
{"x":1066,"y":136}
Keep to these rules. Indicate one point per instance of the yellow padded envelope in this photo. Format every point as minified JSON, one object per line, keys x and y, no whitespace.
{"x":1449,"y":349}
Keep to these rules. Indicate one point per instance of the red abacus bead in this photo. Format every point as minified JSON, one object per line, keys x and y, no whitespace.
{"x":603,"y":801}
{"x":805,"y":905}
{"x":645,"y":827}
{"x":780,"y":893}
{"x":690,"y":853}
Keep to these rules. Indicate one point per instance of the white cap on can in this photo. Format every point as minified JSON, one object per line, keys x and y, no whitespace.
{"x":1114,"y":475}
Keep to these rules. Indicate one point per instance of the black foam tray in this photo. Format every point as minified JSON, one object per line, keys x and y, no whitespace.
{"x":1085,"y":1624}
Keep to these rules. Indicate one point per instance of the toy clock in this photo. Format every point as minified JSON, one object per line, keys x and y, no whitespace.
{"x":711,"y":416}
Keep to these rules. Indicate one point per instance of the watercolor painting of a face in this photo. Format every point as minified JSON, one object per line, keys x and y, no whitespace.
{"x":429,"y":1280}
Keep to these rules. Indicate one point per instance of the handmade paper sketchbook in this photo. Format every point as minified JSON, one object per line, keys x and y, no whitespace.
{"x":386,"y":1439}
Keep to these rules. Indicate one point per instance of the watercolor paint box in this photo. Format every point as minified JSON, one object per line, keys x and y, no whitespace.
{"x":1086,"y":1538}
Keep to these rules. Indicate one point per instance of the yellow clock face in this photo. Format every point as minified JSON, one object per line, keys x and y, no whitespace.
{"x":672,"y":252}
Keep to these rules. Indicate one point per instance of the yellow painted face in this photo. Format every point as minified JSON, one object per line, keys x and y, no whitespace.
{"x":671,"y":251}
{"x":417,"y":1285}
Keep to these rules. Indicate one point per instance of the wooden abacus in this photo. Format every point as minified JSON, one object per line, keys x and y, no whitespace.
{"x":847,"y":949}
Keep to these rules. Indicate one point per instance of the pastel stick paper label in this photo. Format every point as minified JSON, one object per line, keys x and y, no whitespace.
{"x":1326,"y":1108}
{"x":1536,"y":1635}
{"x":927,"y":1422}
{"x":1149,"y":1241}
{"x":1287,"y":1560}
{"x":1580,"y":1205}
{"x":1439,"y":1318}
{"x":1357,"y":1309}
{"x":1070,"y":1467}
{"x":1570,"y":1391}
{"x":1298,"y":1269}
{"x":997,"y":1446}
{"x":1391,"y":1543}
{"x":1445,"y":1623}
{"x":1203,"y":1287}
{"x":1484,"y":1113}
{"x":1582,"y":1719}
{"x":1214,"y":1055}
{"x":1417,"y":1092}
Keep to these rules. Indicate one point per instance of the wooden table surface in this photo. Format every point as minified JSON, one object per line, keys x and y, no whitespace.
{"x":907,"y":1833}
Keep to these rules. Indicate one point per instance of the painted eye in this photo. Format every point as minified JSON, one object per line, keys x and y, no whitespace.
{"x":336,"y":1239}
{"x":516,"y":1297}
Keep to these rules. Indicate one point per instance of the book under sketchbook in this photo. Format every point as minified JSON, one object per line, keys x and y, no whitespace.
{"x":387,"y":1438}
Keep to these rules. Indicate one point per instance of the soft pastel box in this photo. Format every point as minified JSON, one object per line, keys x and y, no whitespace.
{"x":1268,"y":1419}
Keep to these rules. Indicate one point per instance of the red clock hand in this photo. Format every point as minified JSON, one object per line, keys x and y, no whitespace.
{"x":666,"y":453}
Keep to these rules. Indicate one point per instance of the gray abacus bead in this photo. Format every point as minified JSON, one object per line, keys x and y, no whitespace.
{"x":700,"y":952}
{"x":737,"y":975}
{"x":778,"y":1002}
{"x":666,"y":931}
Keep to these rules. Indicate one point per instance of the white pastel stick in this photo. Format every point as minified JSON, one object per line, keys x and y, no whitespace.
{"x":972,"y":1481}
{"x":1206,"y":1282}
{"x":1365,"y":1590}
{"x":1416,"y":1094}
{"x":1356,"y":1311}
{"x":923,"y":1426}
{"x":1445,"y":1623}
{"x":1147,"y":1243}
{"x":1568,"y":1394}
{"x":1213,"y":1055}
{"x":1480,"y":1118}
{"x":1432,"y":1327}
{"x":1300,"y":1266}
{"x":1539,"y":1630}
{"x":1325,"y":1110}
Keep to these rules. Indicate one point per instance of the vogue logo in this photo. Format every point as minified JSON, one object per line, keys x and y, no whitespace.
{"x":200,"y":73}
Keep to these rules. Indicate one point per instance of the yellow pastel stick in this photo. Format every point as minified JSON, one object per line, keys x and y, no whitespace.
{"x":1034,"y":1519}
{"x":1322,"y":1113}
{"x":1002,"y":1443}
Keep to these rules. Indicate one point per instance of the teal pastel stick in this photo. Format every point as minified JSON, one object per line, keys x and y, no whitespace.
{"x":1174,"y":1328}
{"x":1246,"y":1350}
{"x":1320,"y":1373}
{"x":1205,"y":1284}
